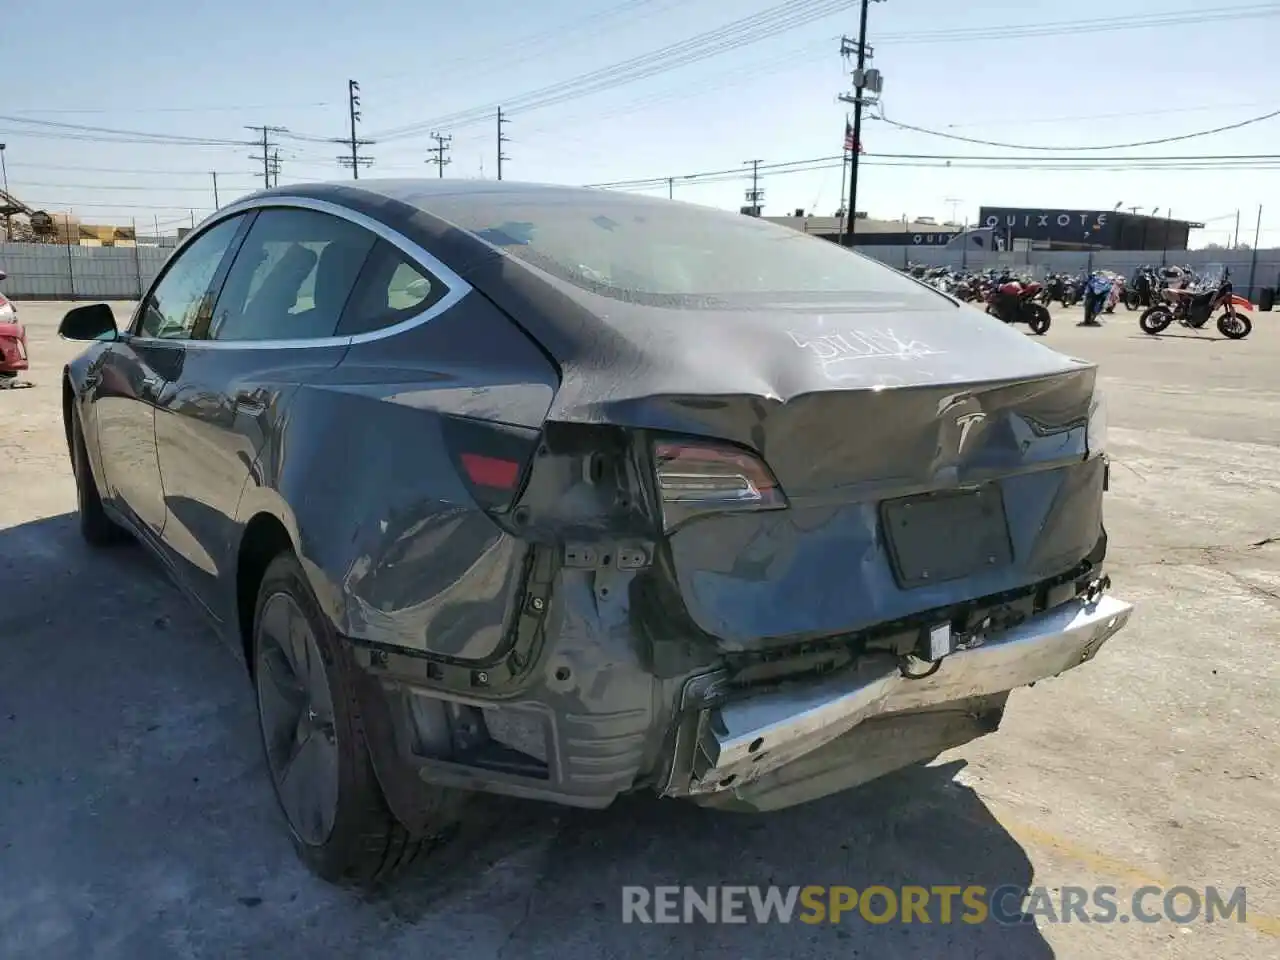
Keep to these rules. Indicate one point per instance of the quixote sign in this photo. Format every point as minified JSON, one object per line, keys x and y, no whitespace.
{"x":1065,"y":225}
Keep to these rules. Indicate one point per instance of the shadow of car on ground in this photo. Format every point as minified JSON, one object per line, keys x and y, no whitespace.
{"x":137,"y":819}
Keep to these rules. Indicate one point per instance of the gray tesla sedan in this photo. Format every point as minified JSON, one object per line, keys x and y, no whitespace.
{"x":562,"y":494}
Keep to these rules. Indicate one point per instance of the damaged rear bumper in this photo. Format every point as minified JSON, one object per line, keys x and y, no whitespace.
{"x":740,"y":746}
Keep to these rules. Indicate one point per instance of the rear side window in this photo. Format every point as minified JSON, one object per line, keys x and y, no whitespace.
{"x":292,"y":277}
{"x":672,"y":254}
{"x":392,"y":288}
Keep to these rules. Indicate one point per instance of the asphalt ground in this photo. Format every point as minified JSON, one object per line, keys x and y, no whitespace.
{"x":136,"y":820}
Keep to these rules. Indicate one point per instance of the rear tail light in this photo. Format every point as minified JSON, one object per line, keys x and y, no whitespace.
{"x":698,"y":477}
{"x":489,"y":458}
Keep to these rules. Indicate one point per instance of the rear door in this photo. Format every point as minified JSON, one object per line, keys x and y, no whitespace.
{"x":274,"y":327}
{"x":136,"y":367}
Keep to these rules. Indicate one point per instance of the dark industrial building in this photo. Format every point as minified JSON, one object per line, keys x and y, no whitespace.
{"x":1004,"y":228}
{"x":874,"y":233}
{"x":1057,"y":229}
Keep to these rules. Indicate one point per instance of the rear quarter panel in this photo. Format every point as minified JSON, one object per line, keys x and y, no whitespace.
{"x":397,"y":550}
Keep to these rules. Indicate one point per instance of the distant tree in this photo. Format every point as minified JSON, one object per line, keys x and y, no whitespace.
{"x":1214,"y":246}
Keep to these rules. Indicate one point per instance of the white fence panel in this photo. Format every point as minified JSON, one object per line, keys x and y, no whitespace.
{"x":59,"y":272}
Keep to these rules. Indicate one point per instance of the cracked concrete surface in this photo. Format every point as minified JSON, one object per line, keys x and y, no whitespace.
{"x":136,"y":821}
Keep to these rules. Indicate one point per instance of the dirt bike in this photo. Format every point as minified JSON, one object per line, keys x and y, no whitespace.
{"x":1015,"y":302}
{"x":1193,"y":308}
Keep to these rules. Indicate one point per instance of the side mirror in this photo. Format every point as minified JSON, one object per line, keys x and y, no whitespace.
{"x":3,"y":275}
{"x":92,"y":322}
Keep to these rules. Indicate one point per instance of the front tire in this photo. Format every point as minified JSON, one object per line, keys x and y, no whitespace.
{"x":1235,"y":327}
{"x":97,"y":529}
{"x":1155,"y":320}
{"x":313,"y":737}
{"x":1132,"y":300}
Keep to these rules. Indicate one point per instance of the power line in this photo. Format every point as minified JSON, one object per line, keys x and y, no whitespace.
{"x":1198,"y":162}
{"x":1111,"y":146}
{"x":129,"y":170}
{"x":750,"y":30}
{"x":32,"y":184}
{"x":210,"y":109}
{"x":532,"y":48}
{"x":440,"y":150}
{"x":1087,"y":26}
{"x":738,"y":33}
{"x":168,"y":138}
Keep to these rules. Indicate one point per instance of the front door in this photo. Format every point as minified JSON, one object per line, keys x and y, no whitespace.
{"x":273,"y":330}
{"x":138,"y":365}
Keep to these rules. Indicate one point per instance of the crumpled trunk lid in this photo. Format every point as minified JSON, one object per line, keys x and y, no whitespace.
{"x":901,"y":501}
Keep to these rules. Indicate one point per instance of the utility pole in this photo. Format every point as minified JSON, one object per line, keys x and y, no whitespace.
{"x":863,"y":80}
{"x":216,"y":204}
{"x":502,"y":138}
{"x":4,"y":171}
{"x":266,"y":145}
{"x":440,"y":149}
{"x":275,"y":168}
{"x":354,"y":161}
{"x":671,"y":186}
{"x":755,"y":194}
{"x":1237,"y":242}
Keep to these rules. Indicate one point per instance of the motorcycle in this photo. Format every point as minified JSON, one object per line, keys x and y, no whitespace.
{"x":1099,"y":291}
{"x":1139,"y":290}
{"x":1193,"y":308}
{"x":1014,"y":301}
{"x":1116,"y":296}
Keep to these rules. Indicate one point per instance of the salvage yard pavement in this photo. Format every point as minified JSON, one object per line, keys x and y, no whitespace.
{"x":136,"y":819}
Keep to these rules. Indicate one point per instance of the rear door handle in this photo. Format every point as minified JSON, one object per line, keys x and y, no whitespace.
{"x":250,"y":402}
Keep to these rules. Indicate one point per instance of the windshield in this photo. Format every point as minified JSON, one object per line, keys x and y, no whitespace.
{"x":673,"y":254}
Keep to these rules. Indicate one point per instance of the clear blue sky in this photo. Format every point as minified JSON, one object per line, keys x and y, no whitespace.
{"x":990,"y":71}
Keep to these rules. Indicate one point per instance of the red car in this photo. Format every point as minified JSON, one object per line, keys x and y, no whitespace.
{"x":13,"y":340}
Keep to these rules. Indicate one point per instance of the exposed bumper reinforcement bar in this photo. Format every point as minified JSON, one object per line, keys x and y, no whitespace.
{"x":740,"y":741}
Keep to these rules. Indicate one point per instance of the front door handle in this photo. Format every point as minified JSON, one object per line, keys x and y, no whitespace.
{"x":150,"y":387}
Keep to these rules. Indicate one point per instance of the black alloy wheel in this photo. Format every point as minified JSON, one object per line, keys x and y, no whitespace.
{"x":295,"y":708}
{"x":96,"y":527}
{"x":314,"y":737}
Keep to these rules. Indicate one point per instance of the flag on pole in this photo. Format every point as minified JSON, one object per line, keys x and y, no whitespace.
{"x":851,"y":143}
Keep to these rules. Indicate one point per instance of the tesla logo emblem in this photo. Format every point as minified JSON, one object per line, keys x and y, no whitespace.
{"x":966,"y":423}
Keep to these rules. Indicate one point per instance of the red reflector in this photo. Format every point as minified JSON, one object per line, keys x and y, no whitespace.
{"x":490,"y":471}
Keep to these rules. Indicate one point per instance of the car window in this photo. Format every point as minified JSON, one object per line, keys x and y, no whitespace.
{"x":650,"y":251}
{"x":182,"y":298}
{"x":292,"y":277}
{"x":392,"y":288}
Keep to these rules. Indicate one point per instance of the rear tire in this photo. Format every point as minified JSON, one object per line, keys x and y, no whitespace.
{"x":1038,"y":320}
{"x":313,"y":738}
{"x":1236,"y":329}
{"x":96,"y":527}
{"x":1155,"y":320}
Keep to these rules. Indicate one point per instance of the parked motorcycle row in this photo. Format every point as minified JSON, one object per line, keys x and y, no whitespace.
{"x":1165,"y":295}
